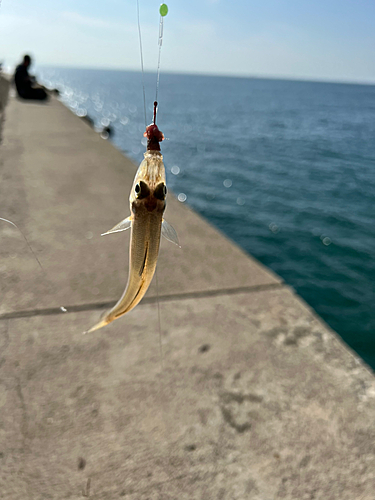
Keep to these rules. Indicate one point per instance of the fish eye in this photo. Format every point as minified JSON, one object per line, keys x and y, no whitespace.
{"x":141,"y":190}
{"x":160,"y":191}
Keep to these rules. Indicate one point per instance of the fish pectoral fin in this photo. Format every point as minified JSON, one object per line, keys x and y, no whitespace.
{"x":169,"y":233}
{"x":121,"y":226}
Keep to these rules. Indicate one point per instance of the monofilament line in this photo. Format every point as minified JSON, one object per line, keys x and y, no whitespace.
{"x":161,"y":27}
{"x":159,"y":320}
{"x":27,"y":242}
{"x":143,"y":80}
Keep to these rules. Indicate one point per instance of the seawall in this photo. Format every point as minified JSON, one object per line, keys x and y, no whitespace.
{"x":249,"y":395}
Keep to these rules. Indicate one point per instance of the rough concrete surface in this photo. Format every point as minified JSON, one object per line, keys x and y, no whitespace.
{"x":248,"y":395}
{"x":64,"y":185}
{"x":4,"y":91}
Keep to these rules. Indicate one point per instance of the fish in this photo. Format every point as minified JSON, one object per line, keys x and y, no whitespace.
{"x":147,"y":202}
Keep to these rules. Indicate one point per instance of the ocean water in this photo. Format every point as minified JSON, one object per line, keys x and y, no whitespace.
{"x":286,"y":169}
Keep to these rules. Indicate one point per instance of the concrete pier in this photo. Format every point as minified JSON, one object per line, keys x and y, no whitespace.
{"x":249,"y":396}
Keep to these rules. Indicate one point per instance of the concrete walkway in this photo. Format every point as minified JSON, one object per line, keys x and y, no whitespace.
{"x":253,"y":397}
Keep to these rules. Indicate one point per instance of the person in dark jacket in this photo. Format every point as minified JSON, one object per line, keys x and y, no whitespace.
{"x":26,"y":85}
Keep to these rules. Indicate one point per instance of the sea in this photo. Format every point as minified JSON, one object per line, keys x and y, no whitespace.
{"x":286,"y":169}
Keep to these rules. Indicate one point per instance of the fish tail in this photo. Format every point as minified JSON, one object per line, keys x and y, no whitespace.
{"x":103,"y":322}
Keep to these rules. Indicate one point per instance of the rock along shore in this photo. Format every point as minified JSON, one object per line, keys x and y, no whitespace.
{"x":253,"y":397}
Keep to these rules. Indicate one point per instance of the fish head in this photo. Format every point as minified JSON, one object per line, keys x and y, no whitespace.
{"x":149,"y":189}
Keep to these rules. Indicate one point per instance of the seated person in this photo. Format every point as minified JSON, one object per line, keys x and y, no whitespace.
{"x":26,"y":85}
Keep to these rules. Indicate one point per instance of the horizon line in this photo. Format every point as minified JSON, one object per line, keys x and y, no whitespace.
{"x":301,"y":79}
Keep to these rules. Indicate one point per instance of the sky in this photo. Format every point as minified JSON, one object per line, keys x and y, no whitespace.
{"x":300,"y":39}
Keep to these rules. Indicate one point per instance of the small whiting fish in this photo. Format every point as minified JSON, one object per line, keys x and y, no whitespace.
{"x":147,"y":205}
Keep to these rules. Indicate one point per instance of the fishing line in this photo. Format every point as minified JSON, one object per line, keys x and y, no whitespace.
{"x":140,"y":47}
{"x":159,"y":320}
{"x":160,"y":42}
{"x":163,"y":12}
{"x":27,"y":242}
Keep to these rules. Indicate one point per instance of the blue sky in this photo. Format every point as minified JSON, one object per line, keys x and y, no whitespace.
{"x":320,"y":40}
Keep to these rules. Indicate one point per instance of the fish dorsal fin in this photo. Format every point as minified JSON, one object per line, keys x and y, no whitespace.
{"x":169,"y":233}
{"x":121,"y":226}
